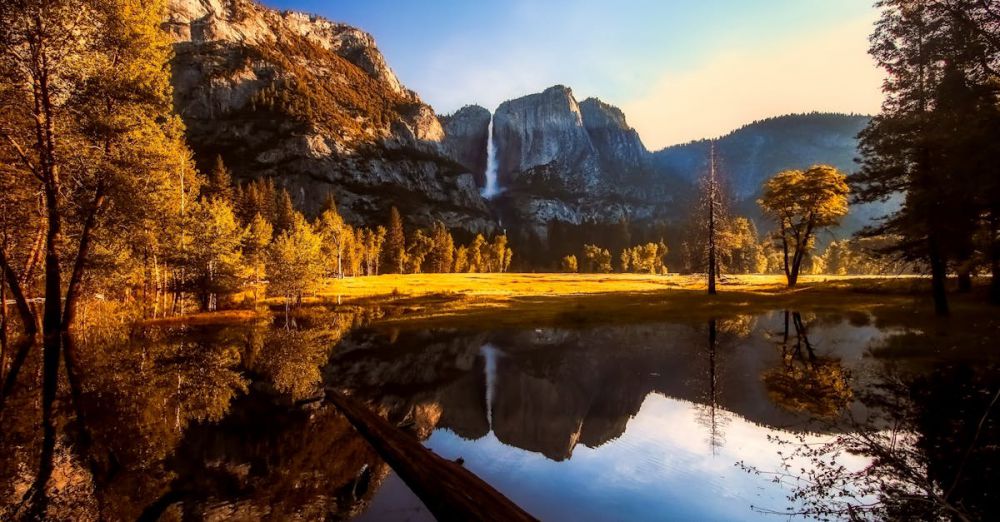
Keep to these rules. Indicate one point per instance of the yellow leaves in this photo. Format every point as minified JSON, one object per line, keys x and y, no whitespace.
{"x":818,"y":194}
{"x":296,"y":259}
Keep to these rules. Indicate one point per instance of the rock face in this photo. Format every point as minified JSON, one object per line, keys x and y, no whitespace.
{"x":618,"y":146}
{"x":313,"y":104}
{"x":544,"y":130}
{"x":569,"y":162}
{"x":466,"y":135}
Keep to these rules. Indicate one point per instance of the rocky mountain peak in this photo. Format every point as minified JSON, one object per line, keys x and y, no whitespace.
{"x":540,"y":129}
{"x":312,"y":104}
{"x":596,"y":113}
{"x":619,"y":146}
{"x":249,"y":23}
{"x":466,"y":134}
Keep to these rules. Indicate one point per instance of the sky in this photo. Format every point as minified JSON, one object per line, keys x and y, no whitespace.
{"x":680,"y":69}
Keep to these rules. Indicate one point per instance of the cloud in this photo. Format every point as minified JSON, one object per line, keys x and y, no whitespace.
{"x":823,"y":71}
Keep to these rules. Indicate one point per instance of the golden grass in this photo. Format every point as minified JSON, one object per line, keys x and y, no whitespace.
{"x":523,"y":284}
{"x":518,"y":299}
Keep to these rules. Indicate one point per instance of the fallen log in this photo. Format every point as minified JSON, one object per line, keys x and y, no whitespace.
{"x":449,"y":491}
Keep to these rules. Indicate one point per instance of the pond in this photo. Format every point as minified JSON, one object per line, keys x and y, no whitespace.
{"x":827,"y":414}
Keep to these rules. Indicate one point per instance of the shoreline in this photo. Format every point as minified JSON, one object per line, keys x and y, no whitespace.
{"x":509,"y":299}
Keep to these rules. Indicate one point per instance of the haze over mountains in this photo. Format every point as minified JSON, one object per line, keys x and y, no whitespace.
{"x":313,"y":104}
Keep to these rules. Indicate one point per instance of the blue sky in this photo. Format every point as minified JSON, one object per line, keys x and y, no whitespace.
{"x":680,"y":69}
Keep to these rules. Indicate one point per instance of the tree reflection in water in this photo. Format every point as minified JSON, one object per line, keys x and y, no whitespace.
{"x":128,"y":438}
{"x":806,"y":382}
{"x":230,"y":421}
{"x":723,"y":334}
{"x":930,"y":440}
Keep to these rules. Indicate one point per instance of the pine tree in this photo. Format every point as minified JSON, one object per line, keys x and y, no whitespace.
{"x":395,"y":243}
{"x":923,"y":46}
{"x":219,"y":183}
{"x":284,"y":212}
{"x":712,"y":200}
{"x":442,"y":249}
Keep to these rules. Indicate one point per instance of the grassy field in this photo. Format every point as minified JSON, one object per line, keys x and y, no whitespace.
{"x":523,"y":285}
{"x":521,"y":299}
{"x":518,"y":299}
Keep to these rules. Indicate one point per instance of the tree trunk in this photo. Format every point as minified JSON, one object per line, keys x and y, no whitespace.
{"x":76,"y":277}
{"x":34,"y":256}
{"x":793,"y":272}
{"x":23,"y":309}
{"x":938,"y":278}
{"x":784,"y":251}
{"x":995,"y":257}
{"x":3,"y":323}
{"x":712,"y":195}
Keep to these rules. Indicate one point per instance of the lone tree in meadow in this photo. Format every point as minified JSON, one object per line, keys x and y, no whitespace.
{"x":712,"y":202}
{"x":803,"y":203}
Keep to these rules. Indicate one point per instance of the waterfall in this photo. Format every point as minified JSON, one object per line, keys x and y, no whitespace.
{"x":490,"y":354}
{"x":491,"y":189}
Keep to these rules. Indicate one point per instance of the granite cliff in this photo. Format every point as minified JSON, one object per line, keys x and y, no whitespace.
{"x":313,"y":104}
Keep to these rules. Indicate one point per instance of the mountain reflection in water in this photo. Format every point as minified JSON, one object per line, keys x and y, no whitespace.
{"x":729,"y":418}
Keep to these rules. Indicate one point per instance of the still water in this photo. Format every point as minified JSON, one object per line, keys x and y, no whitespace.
{"x":829,"y":415}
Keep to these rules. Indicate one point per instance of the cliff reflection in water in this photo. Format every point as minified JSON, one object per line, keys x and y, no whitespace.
{"x":694,"y":421}
{"x":640,"y":421}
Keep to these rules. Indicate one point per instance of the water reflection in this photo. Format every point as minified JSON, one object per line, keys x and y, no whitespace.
{"x":641,"y":421}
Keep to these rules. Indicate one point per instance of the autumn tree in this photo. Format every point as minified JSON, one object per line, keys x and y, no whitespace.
{"x":598,"y":259}
{"x":284,"y":211}
{"x":295,"y":262}
{"x":647,"y":259}
{"x":419,"y":247}
{"x":257,"y":197}
{"x":369,"y":246}
{"x":740,"y":250}
{"x":461,"y":264}
{"x":476,"y":251}
{"x":215,"y":255}
{"x":395,"y":243}
{"x":336,"y":235}
{"x":442,"y":249}
{"x":569,"y":264}
{"x":256,"y":241}
{"x":499,"y":254}
{"x":219,"y":183}
{"x":802,"y":203}
{"x":87,"y":118}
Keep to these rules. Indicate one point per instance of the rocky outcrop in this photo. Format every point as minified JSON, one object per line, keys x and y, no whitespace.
{"x":618,"y":146}
{"x":561,"y":161}
{"x":313,"y":104}
{"x":466,"y":133}
{"x":544,"y":130}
